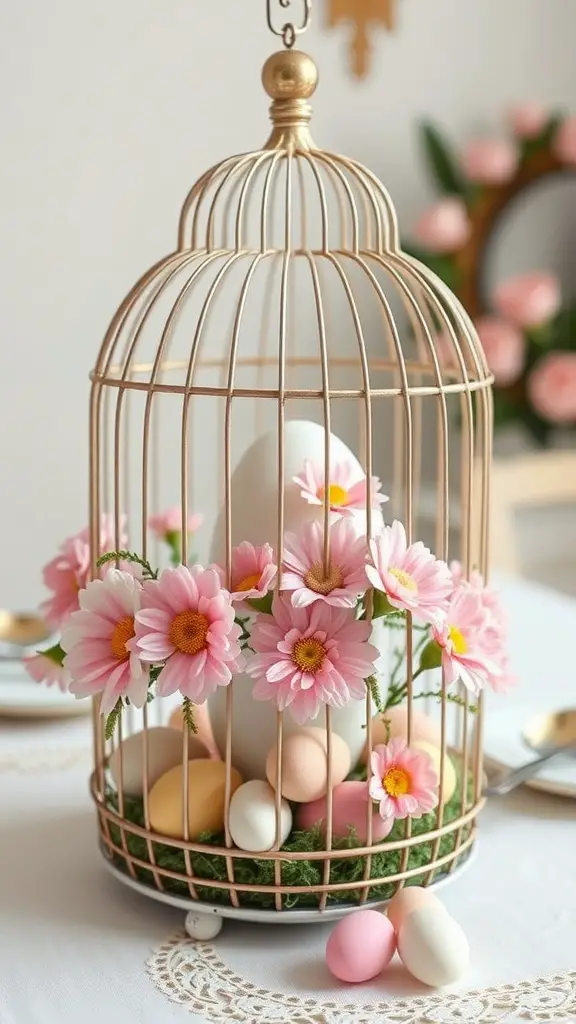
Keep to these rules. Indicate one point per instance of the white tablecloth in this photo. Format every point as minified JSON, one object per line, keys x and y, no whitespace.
{"x":78,"y":946}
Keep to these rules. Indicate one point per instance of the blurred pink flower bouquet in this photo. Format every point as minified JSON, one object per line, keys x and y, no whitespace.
{"x":529,"y":339}
{"x":303,"y":630}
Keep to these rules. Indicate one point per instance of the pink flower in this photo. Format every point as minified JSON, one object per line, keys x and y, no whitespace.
{"x":410,"y":576}
{"x":170,"y":521}
{"x":343,"y":580}
{"x":43,"y":669}
{"x":445,"y":227}
{"x":306,"y":657}
{"x":404,"y":781}
{"x":490,"y":161}
{"x":504,"y":346}
{"x":467,"y":650}
{"x":552,"y":387}
{"x":253,"y":571}
{"x":528,"y":120}
{"x":187,"y":621}
{"x":68,"y":573}
{"x":528,"y":300}
{"x":344,"y":494}
{"x":495,"y":629}
{"x":99,"y":641}
{"x":565,"y":141}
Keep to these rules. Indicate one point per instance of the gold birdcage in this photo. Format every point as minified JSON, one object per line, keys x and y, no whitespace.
{"x":288,"y":299}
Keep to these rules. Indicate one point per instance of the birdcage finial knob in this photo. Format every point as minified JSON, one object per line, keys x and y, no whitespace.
{"x":290,"y":78}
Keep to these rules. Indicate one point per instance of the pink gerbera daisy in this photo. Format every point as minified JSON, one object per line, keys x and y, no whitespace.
{"x":69,"y":571}
{"x":410,"y":576}
{"x":466,"y":646}
{"x":339,"y":583}
{"x":170,"y":522}
{"x":344,"y":493}
{"x":187,"y":621}
{"x":99,"y":640}
{"x":495,"y":632}
{"x":404,"y":782}
{"x":253,"y":571}
{"x":44,"y":669}
{"x":306,"y":657}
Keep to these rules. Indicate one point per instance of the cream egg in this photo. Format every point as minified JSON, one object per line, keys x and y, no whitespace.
{"x":164,"y":752}
{"x":252,"y":817}
{"x":304,"y":775}
{"x":203,"y":725}
{"x":206,"y":796}
{"x":394,"y":723}
{"x":450,"y":780}
{"x":433,"y":946}
{"x":407,"y":899}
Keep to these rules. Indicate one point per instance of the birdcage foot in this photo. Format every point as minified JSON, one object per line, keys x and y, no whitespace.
{"x":203,"y":926}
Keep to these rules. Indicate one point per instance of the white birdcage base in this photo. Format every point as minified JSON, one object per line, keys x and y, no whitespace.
{"x":252,"y":914}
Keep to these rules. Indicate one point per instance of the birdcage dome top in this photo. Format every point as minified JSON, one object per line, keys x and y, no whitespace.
{"x":257,"y":229}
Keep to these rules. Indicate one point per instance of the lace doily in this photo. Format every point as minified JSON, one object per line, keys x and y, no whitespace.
{"x":193,"y":975}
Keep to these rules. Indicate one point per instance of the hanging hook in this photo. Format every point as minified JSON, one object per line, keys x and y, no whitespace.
{"x":289,"y":31}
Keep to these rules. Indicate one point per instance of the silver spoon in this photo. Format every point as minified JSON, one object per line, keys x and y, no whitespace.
{"x":550,"y":735}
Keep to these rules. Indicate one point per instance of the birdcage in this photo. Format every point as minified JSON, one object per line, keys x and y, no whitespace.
{"x":288,"y":334}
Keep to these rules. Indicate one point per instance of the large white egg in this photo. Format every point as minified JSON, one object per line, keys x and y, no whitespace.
{"x":252,"y":819}
{"x":164,"y":752}
{"x":254,"y":512}
{"x":433,"y":947}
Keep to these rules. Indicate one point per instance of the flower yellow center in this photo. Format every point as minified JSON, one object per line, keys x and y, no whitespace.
{"x":248,"y":583}
{"x":396,"y":782}
{"x":458,"y":641}
{"x":188,"y":632}
{"x":404,"y":579}
{"x":337,"y":495}
{"x":123,"y":632}
{"x":323,"y":583}
{"x":308,"y":654}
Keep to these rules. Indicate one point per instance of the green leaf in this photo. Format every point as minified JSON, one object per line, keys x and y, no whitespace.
{"x":128,"y":556}
{"x":431,"y":657}
{"x":261,"y":604}
{"x":112,"y":720}
{"x":55,"y":653}
{"x":372,"y":684}
{"x":188,"y":715}
{"x":542,"y":141}
{"x":441,"y":162}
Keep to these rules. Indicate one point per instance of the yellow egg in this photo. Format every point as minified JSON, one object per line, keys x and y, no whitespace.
{"x":423,"y":727}
{"x":450,"y":780}
{"x":206,"y":791}
{"x":304,"y":764}
{"x":164,"y":752}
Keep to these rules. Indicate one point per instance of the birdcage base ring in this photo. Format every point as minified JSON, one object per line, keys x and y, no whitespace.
{"x":253,"y":915}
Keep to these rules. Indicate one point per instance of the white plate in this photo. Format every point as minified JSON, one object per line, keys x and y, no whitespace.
{"x":506,"y":749}
{"x":22,"y":697}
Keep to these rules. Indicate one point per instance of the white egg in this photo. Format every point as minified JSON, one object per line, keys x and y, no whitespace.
{"x":203,"y":927}
{"x":164,"y":753}
{"x":433,"y":947}
{"x":254,"y":512}
{"x":252,"y":819}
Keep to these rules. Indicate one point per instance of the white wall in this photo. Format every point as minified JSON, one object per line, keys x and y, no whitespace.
{"x":109,"y":111}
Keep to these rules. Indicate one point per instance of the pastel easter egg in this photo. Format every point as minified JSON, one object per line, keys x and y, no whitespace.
{"x":450,"y":779}
{"x":164,"y":752}
{"x":433,"y":946}
{"x":407,"y":899}
{"x":203,"y":725}
{"x":252,"y":819}
{"x":304,"y":764}
{"x":206,"y":792}
{"x":360,"y":946}
{"x":350,"y":802}
{"x":423,"y":727}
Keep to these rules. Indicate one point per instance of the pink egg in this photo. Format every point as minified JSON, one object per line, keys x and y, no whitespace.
{"x":349,"y":808}
{"x":360,"y":946}
{"x":410,"y":898}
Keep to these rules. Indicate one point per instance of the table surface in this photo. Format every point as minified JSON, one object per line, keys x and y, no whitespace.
{"x":77,"y":945}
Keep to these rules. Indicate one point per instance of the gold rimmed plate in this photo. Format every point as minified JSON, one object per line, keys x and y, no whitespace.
{"x":516,"y":733}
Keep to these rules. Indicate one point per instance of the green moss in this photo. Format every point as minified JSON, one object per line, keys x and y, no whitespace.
{"x":309,"y":873}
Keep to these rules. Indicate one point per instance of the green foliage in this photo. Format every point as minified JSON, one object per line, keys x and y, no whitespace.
{"x":442,"y":164}
{"x":372,"y":684}
{"x":55,"y":654}
{"x":309,"y":873}
{"x":129,"y":556}
{"x":189,"y":715}
{"x":112,"y":720}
